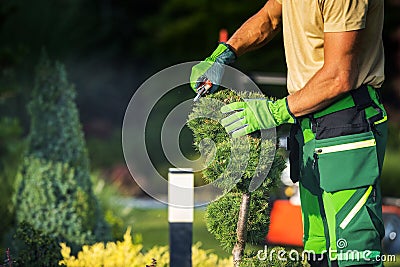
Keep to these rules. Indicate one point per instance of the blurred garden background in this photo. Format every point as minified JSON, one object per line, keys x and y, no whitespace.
{"x":95,"y":54}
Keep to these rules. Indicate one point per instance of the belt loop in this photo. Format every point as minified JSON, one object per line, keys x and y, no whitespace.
{"x":362,"y":100}
{"x":378,"y":95}
{"x":361,"y":97}
{"x":313,"y":123}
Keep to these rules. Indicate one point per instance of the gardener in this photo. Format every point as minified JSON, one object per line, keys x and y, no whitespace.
{"x":335,"y":63}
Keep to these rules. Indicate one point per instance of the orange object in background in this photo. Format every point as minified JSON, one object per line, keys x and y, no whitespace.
{"x":223,"y":35}
{"x":286,"y":226}
{"x":391,"y":209}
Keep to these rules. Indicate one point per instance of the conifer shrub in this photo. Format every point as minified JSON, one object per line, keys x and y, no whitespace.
{"x":253,"y":155}
{"x":54,"y":193}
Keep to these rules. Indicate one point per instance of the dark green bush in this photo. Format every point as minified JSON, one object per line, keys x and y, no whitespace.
{"x":36,"y":247}
{"x":54,"y":188}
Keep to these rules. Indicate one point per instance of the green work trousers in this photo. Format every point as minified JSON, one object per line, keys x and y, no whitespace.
{"x":340,"y":193}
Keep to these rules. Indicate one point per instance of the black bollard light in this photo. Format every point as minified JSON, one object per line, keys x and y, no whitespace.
{"x":180,"y":216}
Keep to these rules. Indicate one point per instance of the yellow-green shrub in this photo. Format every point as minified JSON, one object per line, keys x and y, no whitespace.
{"x":126,"y":253}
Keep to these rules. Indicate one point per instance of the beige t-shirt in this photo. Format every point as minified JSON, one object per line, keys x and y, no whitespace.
{"x":304,"y":24}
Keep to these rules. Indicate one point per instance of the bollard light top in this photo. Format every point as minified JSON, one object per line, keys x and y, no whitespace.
{"x":180,"y":170}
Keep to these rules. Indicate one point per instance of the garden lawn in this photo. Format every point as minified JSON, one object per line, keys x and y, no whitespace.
{"x":152,"y":225}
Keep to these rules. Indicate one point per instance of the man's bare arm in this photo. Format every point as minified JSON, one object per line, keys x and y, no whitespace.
{"x":257,"y":30}
{"x":336,"y":77}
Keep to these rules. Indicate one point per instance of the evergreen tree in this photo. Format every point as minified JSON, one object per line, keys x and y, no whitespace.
{"x":54,"y":192}
{"x":239,"y":216}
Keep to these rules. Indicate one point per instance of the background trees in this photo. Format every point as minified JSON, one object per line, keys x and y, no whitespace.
{"x":54,"y":193}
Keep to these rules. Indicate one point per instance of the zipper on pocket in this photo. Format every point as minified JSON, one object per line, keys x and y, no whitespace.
{"x":345,"y":147}
{"x":374,"y":194}
{"x":315,"y":161}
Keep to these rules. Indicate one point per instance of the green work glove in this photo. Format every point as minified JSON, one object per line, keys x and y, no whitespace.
{"x":212,"y":68}
{"x":253,"y":115}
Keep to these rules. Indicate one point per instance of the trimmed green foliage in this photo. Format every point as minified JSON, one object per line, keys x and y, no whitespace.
{"x":54,"y":188}
{"x":249,"y":148}
{"x":222,"y":214}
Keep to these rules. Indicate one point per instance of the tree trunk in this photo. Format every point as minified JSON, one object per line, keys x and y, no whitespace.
{"x":241,"y":230}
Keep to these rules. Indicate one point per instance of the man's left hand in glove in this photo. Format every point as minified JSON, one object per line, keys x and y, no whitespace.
{"x":253,"y":115}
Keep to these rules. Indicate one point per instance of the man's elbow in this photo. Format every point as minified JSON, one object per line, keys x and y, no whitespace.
{"x":344,"y":82}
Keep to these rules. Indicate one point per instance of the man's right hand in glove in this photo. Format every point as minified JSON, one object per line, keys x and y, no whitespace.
{"x":212,"y":68}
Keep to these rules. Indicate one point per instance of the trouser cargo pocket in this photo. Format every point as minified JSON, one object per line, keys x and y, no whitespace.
{"x":347,"y":162}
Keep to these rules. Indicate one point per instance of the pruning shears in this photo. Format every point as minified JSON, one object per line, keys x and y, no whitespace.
{"x":205,"y":85}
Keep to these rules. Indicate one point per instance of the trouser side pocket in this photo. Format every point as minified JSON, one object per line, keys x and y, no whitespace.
{"x":347,"y":162}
